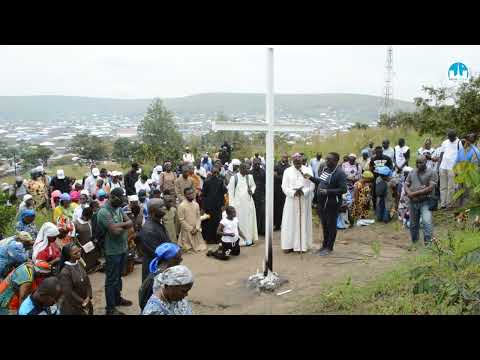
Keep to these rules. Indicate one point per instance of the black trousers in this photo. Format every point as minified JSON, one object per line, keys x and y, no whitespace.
{"x":259,"y":200}
{"x":225,"y":250}
{"x":279,"y":203}
{"x":328,"y":217}
{"x":210,"y":226}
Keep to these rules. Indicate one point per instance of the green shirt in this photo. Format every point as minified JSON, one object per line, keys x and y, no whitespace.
{"x":114,"y":244}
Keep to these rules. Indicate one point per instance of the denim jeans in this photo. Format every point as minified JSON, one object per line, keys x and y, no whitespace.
{"x":381,"y":211}
{"x":114,"y":265}
{"x":421,"y":210}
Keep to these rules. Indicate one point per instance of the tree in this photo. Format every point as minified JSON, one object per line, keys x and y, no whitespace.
{"x":444,"y":108}
{"x":7,"y":151}
{"x":359,"y":125}
{"x":124,"y":150}
{"x":89,"y":147}
{"x":159,"y":134}
{"x":400,"y":119}
{"x":33,"y":154}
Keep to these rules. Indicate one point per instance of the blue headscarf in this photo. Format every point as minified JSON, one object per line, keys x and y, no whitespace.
{"x":163,"y":252}
{"x":26,"y":213}
{"x":384,"y":171}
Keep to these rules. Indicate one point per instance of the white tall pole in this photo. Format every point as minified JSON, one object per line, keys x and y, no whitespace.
{"x":269,"y":116}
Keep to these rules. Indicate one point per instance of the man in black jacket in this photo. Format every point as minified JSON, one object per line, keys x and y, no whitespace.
{"x":332,"y":184}
{"x":153,"y":234}
{"x":259,"y":196}
{"x":213,"y":199}
{"x":130,"y":179}
{"x":278,"y":194}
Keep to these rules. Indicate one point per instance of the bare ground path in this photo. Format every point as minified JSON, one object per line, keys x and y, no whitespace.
{"x":220,"y":286}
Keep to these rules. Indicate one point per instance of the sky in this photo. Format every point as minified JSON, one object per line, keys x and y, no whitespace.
{"x":165,"y":71}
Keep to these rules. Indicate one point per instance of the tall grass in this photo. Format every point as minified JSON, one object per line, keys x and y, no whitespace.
{"x":444,"y":279}
{"x":344,"y":143}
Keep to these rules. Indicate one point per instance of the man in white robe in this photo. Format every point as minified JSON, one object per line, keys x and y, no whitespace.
{"x":296,"y":234}
{"x":241,"y":188}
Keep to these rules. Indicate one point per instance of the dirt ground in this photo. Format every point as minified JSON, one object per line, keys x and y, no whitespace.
{"x":220,"y":286}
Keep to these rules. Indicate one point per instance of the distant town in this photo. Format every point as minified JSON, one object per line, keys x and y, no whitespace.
{"x":58,"y":134}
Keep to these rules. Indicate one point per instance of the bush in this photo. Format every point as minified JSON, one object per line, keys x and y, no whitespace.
{"x":444,"y":279}
{"x":7,"y":216}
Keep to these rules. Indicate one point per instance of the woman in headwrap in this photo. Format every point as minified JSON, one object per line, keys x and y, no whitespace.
{"x":20,"y":283}
{"x":362,"y":196}
{"x":166,"y":256}
{"x":63,"y":215}
{"x":26,"y":223}
{"x":45,"y":247}
{"x":75,"y":197}
{"x":101,"y":197}
{"x":26,"y":204}
{"x":65,"y":208}
{"x":76,"y":286}
{"x":170,"y":289}
{"x":55,"y":198}
{"x":13,"y":252}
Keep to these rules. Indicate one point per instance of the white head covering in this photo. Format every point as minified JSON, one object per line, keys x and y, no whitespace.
{"x":60,"y":174}
{"x":158,"y":168}
{"x":116,"y":173}
{"x":132,"y":198}
{"x":95,"y":172}
{"x":27,"y":197}
{"x":84,"y":192}
{"x":47,"y":229}
{"x":176,"y":275}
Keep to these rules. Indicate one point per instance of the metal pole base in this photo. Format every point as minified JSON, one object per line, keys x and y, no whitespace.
{"x":268,"y":283}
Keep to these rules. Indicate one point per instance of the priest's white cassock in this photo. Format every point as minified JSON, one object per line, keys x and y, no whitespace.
{"x":244,"y":205}
{"x":297,"y":226}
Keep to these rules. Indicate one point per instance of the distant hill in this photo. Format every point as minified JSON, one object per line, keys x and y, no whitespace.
{"x":50,"y":108}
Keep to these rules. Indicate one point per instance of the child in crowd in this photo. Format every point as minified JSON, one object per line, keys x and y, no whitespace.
{"x":230,"y":232}
{"x":343,"y":219}
{"x":404,"y":201}
{"x":385,"y":187}
{"x":170,"y":220}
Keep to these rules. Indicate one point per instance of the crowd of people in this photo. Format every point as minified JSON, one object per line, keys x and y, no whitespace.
{"x":152,"y":219}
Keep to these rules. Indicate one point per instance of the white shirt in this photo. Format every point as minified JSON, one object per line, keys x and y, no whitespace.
{"x":77,"y":213}
{"x":450,"y":152}
{"x":91,"y":184}
{"x":389,"y":152}
{"x":230,"y":227}
{"x":139,"y":186}
{"x":400,"y":155}
{"x":432,"y":152}
{"x":188,"y":157}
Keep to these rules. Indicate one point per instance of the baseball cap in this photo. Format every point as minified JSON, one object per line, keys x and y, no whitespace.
{"x":95,"y":172}
{"x":60,"y":174}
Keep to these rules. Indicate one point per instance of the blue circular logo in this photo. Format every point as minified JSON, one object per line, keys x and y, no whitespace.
{"x":458,"y":71}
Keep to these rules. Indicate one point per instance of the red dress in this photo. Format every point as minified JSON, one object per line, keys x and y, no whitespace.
{"x":51,"y":252}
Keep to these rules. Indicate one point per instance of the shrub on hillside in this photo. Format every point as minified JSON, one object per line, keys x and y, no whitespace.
{"x":7,"y":216}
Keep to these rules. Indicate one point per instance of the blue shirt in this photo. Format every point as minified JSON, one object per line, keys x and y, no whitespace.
{"x":472,"y":155}
{"x":29,"y":307}
{"x":12,"y":252}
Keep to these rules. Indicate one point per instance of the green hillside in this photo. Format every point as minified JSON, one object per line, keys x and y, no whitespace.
{"x":50,"y":108}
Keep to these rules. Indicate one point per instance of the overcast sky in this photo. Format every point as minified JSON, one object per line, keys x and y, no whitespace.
{"x":171,"y":71}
